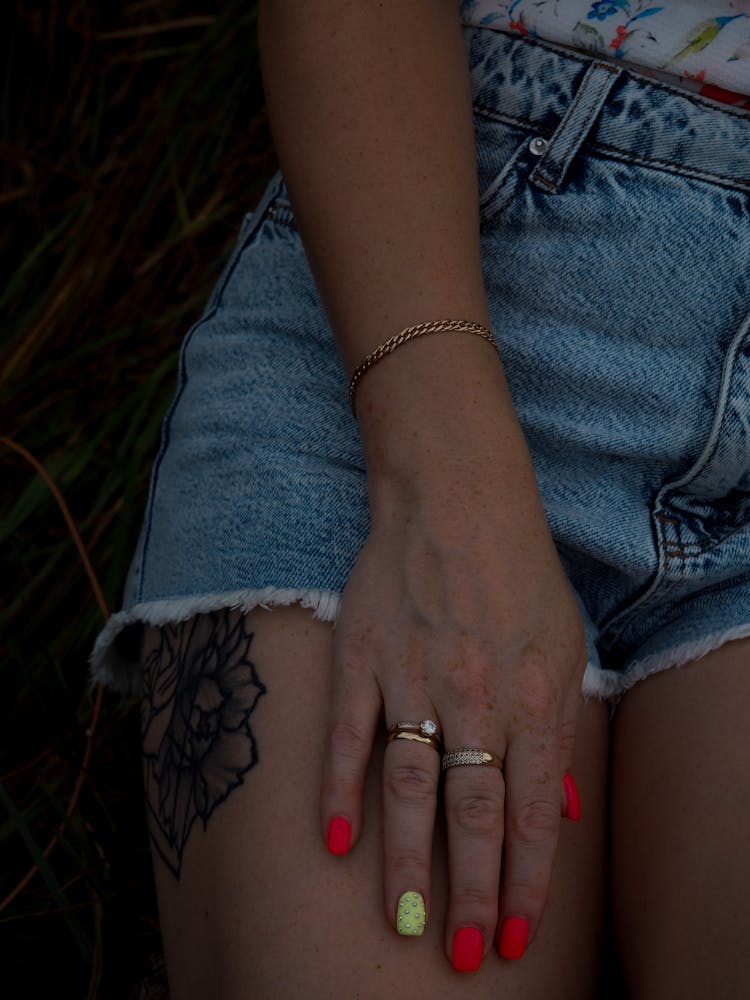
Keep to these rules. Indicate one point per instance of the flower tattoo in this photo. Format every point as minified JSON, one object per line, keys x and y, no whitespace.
{"x":199,"y":690}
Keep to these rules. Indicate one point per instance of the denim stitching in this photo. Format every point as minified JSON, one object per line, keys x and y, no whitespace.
{"x":664,"y":519}
{"x":676,"y":487}
{"x":702,"y":548}
{"x":661,"y":584}
{"x":592,"y":146}
{"x":670,"y":548}
{"x":647,"y":81}
{"x":487,"y":216}
{"x":573,"y":138}
{"x":499,"y":192}
{"x":695,"y":549}
{"x":282,"y":213}
{"x":215,"y":301}
{"x":615,"y":625}
{"x":660,"y":587}
{"x":681,"y":168}
{"x":718,"y":438}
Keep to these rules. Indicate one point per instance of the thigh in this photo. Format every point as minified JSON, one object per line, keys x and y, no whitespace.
{"x":680,"y":822}
{"x":251,"y":903}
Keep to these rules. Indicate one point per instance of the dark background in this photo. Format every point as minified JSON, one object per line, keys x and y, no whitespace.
{"x":132,"y":143}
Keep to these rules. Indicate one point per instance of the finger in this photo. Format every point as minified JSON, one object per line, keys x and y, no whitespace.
{"x":571,"y":808}
{"x":410,"y":779}
{"x":571,"y":802}
{"x":474,"y":803}
{"x":355,"y":713}
{"x":532,"y":823}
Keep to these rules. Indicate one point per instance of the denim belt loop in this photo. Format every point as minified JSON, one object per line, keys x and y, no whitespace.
{"x":575,"y":125}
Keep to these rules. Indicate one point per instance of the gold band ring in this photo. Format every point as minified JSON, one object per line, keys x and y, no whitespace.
{"x":471,"y":755}
{"x":427,"y":727}
{"x":416,"y":737}
{"x":426,"y":731}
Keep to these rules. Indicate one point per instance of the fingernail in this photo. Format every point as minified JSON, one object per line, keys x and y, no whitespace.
{"x":339,"y":835}
{"x":572,"y":798}
{"x":410,"y":914}
{"x":468,"y":948}
{"x":513,"y":937}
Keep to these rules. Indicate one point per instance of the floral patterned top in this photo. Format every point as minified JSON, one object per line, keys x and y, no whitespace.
{"x":699,"y":45}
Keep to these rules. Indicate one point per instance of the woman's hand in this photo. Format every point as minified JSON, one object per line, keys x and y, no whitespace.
{"x":458,"y":610}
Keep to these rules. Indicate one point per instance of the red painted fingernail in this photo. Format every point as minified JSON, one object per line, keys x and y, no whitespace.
{"x":339,"y":835}
{"x":468,"y":948}
{"x":572,"y":798}
{"x":513,"y":937}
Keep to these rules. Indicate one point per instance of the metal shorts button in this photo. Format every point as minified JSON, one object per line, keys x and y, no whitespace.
{"x":538,"y":145}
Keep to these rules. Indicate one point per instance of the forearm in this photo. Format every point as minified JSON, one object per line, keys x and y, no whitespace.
{"x":371,"y":116}
{"x":370,"y":109}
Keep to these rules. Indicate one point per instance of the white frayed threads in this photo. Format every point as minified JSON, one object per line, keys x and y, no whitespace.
{"x":124,"y":676}
{"x":612,"y":685}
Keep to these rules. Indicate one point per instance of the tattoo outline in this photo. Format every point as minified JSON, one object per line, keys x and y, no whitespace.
{"x":199,"y":689}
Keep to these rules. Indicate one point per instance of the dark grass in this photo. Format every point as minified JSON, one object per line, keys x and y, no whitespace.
{"x":133,"y":141}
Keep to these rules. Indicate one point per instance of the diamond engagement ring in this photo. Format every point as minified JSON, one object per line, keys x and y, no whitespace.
{"x":470,"y":755}
{"x":426,"y":731}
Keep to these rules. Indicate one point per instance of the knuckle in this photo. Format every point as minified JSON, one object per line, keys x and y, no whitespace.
{"x":410,"y":783}
{"x":477,"y":812}
{"x":528,"y":894}
{"x":470,"y":687}
{"x":347,"y":751}
{"x":347,"y":742}
{"x":477,"y":898}
{"x":536,"y":820}
{"x":567,"y":739}
{"x":538,"y":693}
{"x":406,"y":864}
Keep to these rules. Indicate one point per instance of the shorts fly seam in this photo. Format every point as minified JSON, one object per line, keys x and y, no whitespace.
{"x":672,"y":551}
{"x":689,"y":548}
{"x":698,"y":548}
{"x":671,"y":573}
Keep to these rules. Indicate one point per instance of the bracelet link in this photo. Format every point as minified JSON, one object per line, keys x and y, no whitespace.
{"x":433,"y":326}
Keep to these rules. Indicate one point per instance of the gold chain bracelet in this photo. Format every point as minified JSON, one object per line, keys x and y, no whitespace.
{"x":434,"y":326}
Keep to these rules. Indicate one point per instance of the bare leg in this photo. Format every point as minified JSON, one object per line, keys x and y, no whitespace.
{"x":681,"y":830}
{"x":260,"y":909}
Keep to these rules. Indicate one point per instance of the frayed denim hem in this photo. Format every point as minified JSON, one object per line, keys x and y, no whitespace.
{"x":123,"y":675}
{"x":612,"y":684}
{"x":598,"y":683}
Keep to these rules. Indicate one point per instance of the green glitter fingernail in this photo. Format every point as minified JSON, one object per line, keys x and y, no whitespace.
{"x":410,"y":914}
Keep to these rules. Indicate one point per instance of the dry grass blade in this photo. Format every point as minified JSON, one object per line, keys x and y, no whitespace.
{"x":90,"y":731}
{"x":142,"y":30}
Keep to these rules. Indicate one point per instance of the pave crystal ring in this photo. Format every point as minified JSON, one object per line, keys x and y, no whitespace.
{"x":471,"y":755}
{"x":426,"y":731}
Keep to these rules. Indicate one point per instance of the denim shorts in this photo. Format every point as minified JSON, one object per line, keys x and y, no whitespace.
{"x":615,"y":241}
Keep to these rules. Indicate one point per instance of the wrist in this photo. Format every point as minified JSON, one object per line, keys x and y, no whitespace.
{"x":436,"y":416}
{"x":411,"y":333}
